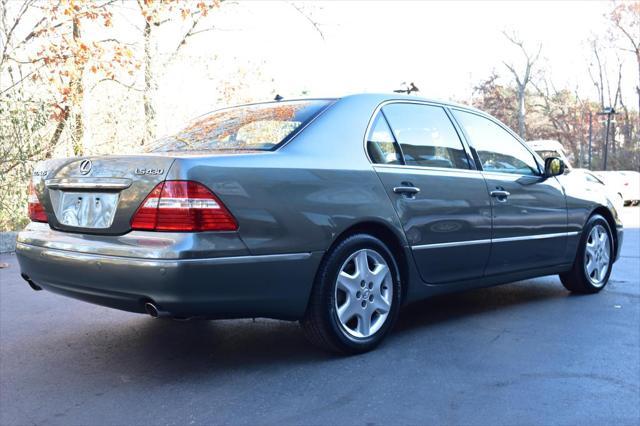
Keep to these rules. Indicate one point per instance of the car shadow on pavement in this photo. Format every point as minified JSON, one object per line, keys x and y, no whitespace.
{"x":178,"y":349}
{"x":450,"y":307}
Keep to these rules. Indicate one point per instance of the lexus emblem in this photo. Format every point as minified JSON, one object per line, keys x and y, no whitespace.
{"x":85,"y":167}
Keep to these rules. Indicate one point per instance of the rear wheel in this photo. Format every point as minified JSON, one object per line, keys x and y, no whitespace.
{"x":356,"y":296}
{"x":592,"y":266}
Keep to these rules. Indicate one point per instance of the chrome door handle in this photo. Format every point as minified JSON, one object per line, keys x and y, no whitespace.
{"x":500,"y":195}
{"x":410,"y":190}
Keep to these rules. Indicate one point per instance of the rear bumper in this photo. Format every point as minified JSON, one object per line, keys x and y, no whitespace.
{"x":275,"y":286}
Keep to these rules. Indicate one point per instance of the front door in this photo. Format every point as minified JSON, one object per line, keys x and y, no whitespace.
{"x":529,"y":211}
{"x":440,"y":198}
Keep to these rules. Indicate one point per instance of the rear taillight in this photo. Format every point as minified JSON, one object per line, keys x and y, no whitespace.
{"x":36,"y":211}
{"x":178,"y":205}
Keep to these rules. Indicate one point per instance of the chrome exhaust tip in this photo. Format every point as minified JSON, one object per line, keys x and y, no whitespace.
{"x":154,"y":311}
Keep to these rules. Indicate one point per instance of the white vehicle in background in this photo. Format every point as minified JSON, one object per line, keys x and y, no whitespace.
{"x":627,"y":184}
{"x":546,"y":148}
{"x":549,"y":148}
{"x":612,"y":190}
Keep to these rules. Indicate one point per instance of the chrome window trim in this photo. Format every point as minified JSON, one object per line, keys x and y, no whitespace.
{"x":536,"y":157}
{"x":426,"y":168}
{"x":442,"y":105}
{"x":495,"y":240}
{"x":517,"y":175}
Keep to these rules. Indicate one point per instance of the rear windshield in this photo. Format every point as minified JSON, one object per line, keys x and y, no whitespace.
{"x":251,"y":127}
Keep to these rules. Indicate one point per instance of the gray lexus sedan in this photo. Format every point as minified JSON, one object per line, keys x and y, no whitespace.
{"x":333,"y":212}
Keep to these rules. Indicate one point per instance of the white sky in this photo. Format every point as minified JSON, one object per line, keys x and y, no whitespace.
{"x":444,"y":47}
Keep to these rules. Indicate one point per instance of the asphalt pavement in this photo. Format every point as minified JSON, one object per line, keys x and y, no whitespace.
{"x":523,"y":353}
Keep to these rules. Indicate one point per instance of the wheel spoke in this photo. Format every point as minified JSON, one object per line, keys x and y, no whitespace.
{"x":362,"y":265}
{"x":602,"y":238}
{"x":348,"y":283}
{"x":381,"y":305}
{"x":591,"y":265}
{"x":364,"y":323}
{"x":347,"y":311}
{"x":379,"y":274}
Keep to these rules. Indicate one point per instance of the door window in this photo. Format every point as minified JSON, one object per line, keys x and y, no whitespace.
{"x":426,"y":136}
{"x":497,"y":149}
{"x":381,"y":145}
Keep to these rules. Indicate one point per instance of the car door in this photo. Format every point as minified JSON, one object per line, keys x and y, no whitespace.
{"x":529,"y":211}
{"x":439,"y":195}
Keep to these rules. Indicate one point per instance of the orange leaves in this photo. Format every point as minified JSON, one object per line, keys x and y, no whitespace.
{"x":66,"y":54}
{"x":61,"y":41}
{"x":156,"y":11}
{"x":59,"y":113}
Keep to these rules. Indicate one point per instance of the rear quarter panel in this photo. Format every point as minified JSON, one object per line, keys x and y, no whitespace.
{"x":301,"y":197}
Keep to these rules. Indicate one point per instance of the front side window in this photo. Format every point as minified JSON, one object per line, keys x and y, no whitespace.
{"x":426,"y":136}
{"x":381,"y":145}
{"x":497,"y":149}
{"x":251,"y":127}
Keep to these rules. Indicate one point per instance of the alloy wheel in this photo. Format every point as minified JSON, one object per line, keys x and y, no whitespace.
{"x":597,"y":255}
{"x":363,"y":293}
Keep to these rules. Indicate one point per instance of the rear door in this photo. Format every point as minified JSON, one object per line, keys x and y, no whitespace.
{"x":529,"y":211}
{"x":440,"y":198}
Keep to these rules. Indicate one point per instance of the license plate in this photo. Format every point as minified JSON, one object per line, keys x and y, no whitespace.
{"x":87,"y":210}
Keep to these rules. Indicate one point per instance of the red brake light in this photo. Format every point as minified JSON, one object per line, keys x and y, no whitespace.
{"x":36,"y":211}
{"x":178,"y":205}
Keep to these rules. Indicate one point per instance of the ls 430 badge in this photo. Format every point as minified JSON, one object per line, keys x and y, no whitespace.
{"x":144,"y":171}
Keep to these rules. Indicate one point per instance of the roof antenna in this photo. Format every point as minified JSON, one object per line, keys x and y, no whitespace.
{"x":408,"y":88}
{"x":278,"y":98}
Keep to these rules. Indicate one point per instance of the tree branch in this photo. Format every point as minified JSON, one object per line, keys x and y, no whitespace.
{"x":308,"y":18}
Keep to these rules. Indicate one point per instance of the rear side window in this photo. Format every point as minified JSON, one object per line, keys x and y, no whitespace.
{"x":251,"y":127}
{"x":497,"y":149}
{"x":426,"y":136}
{"x":381,"y":145}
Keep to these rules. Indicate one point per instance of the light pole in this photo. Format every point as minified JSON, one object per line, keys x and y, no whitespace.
{"x":609,"y":111}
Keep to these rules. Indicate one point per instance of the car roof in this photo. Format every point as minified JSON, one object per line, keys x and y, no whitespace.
{"x":371,"y":97}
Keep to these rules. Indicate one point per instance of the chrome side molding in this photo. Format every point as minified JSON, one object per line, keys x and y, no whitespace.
{"x":495,"y":240}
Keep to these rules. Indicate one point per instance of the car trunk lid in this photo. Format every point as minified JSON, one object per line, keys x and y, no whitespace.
{"x":99,"y":195}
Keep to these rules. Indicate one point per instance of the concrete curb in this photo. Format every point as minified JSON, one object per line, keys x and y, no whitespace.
{"x":8,"y":241}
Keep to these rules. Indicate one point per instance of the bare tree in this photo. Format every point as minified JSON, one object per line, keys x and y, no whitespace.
{"x":626,"y":21}
{"x":522,"y":79}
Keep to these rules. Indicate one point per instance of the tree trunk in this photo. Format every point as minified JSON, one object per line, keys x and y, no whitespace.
{"x":149,"y":87}
{"x":56,"y":134}
{"x":78,"y":97}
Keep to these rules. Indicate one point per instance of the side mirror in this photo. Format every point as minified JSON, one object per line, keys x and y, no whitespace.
{"x":553,"y":166}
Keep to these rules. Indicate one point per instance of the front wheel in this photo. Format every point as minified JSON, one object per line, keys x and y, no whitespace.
{"x":356,"y":296}
{"x":594,"y":259}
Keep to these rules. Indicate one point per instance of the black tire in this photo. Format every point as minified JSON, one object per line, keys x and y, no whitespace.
{"x":576,"y":280}
{"x":321,"y":324}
